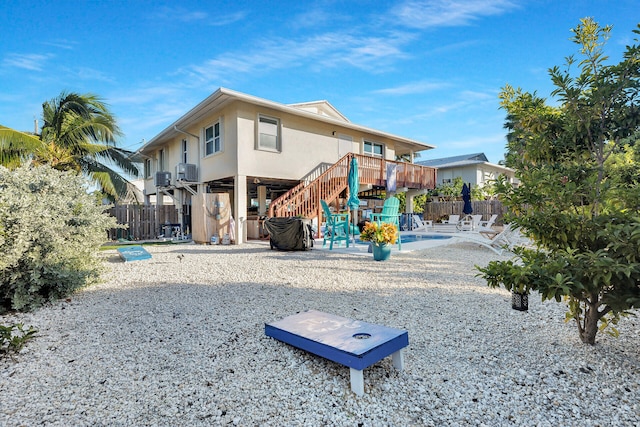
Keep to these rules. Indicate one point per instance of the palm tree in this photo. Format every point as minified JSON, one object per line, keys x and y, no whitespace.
{"x":79,"y":133}
{"x":16,"y":147}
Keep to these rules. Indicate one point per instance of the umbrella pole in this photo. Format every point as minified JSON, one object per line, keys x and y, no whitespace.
{"x":353,"y":230}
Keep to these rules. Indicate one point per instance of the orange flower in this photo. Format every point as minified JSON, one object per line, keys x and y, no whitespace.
{"x":379,"y":234}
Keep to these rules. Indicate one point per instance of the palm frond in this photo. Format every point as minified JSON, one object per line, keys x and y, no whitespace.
{"x":113,"y":184}
{"x":16,"y":146}
{"x":81,"y":134}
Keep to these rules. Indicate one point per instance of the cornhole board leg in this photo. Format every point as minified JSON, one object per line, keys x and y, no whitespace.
{"x":397,"y":359}
{"x":348,"y":342}
{"x":357,"y":381}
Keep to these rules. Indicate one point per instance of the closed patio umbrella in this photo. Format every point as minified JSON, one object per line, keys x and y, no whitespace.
{"x":466,"y":197}
{"x":354,"y":185}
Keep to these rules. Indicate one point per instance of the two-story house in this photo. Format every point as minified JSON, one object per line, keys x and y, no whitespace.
{"x":273,"y":159}
{"x":472,"y":168}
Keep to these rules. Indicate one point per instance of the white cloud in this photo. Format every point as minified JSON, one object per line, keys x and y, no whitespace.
{"x":447,"y":13}
{"x":413,"y":88}
{"x":471,"y":95}
{"x":328,"y":50}
{"x":230,"y":18}
{"x":181,"y":14}
{"x":86,"y":73}
{"x":60,"y":44}
{"x":29,"y":61}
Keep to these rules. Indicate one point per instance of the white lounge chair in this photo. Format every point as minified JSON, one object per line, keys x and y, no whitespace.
{"x":486,"y":227}
{"x":469,"y":223}
{"x":502,"y":240}
{"x":453,"y":219}
{"x":476,"y":220}
{"x":420,"y":225}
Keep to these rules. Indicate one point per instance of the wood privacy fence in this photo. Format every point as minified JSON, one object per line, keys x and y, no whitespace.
{"x":438,"y":210}
{"x":143,"y":221}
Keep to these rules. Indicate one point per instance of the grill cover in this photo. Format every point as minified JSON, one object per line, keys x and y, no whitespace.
{"x":289,"y":233}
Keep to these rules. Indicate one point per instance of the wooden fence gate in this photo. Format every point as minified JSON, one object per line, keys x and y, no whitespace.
{"x":143,"y":222}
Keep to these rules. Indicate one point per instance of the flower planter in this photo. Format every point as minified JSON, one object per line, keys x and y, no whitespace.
{"x":381,"y":252}
{"x":519,"y":301}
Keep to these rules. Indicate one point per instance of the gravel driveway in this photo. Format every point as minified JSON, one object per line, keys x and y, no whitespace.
{"x":179,"y":341}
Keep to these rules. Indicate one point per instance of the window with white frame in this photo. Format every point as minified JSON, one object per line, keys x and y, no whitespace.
{"x":147,"y":168}
{"x":373,"y":149}
{"x":268,"y":133}
{"x":212,"y":139}
{"x":184,"y":147}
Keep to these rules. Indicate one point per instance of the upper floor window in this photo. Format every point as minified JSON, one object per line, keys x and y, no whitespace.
{"x":212,"y":139}
{"x":373,"y":149}
{"x":184,"y":147}
{"x":147,"y":168}
{"x":268,"y":133}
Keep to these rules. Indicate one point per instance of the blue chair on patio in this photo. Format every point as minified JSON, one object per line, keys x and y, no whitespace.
{"x":390,"y":215}
{"x":337,"y":226}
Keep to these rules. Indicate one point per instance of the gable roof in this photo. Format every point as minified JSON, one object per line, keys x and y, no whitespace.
{"x":462,"y":160}
{"x":223,"y":96}
{"x":323,"y":108}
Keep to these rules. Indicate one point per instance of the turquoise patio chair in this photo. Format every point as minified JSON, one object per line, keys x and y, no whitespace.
{"x":337,"y":226}
{"x":389,"y":214}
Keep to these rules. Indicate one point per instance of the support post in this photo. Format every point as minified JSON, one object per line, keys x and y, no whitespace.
{"x":240,"y":207}
{"x":357,"y":381}
{"x":397,"y":359}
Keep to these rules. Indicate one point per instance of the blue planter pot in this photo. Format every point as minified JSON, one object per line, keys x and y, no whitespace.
{"x":381,"y":252}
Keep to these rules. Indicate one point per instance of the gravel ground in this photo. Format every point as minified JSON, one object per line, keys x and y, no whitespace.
{"x":180,"y":342}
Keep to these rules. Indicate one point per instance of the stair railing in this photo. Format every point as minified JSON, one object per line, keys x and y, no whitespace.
{"x":304,"y":200}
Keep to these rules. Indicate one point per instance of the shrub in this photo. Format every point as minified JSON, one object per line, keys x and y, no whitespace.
{"x":50,"y":233}
{"x":14,"y":337}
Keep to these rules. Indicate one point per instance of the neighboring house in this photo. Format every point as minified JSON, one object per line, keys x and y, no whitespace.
{"x":267,"y":156}
{"x":472,"y":168}
{"x":136,"y":195}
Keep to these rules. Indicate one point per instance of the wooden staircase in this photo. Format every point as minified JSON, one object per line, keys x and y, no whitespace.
{"x":304,"y":200}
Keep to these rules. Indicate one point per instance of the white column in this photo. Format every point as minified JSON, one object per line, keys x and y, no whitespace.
{"x":240,"y":207}
{"x":179,"y":196}
{"x":262,"y":200}
{"x":408,"y":207}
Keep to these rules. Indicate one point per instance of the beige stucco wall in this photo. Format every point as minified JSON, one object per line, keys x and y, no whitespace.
{"x":305,"y":145}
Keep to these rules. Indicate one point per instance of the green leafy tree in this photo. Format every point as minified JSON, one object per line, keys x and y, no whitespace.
{"x":454,"y":190}
{"x":80,"y":134}
{"x":578,"y":197}
{"x":50,"y":233}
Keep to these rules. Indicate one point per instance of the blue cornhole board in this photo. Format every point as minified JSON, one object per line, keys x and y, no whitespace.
{"x":349,"y":342}
{"x":133,"y":253}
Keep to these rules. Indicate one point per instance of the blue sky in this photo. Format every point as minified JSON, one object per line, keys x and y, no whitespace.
{"x":427,"y":70}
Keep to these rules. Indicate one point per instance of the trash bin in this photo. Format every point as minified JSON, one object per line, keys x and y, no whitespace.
{"x":289,"y":233}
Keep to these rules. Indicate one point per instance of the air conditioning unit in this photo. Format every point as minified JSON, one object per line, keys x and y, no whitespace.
{"x":186,"y":172}
{"x":162,"y":179}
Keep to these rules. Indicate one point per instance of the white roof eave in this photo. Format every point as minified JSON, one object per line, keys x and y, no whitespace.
{"x":223,"y":96}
